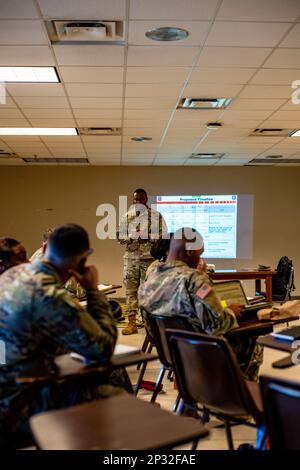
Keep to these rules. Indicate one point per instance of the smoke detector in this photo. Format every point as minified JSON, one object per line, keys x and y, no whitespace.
{"x":141,"y":139}
{"x":167,"y":33}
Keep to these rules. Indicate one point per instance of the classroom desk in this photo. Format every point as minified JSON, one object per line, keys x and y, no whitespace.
{"x":246,"y":274}
{"x":69,"y":368}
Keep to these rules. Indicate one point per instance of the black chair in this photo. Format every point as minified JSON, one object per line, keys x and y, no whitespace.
{"x":155,"y":326}
{"x":283,"y":281}
{"x":282,"y":404}
{"x":207,"y":373}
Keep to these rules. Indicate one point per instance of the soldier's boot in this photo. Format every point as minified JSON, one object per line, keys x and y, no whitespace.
{"x":131,"y":328}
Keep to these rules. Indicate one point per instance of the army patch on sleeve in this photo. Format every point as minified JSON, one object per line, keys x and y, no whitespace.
{"x":203,"y":291}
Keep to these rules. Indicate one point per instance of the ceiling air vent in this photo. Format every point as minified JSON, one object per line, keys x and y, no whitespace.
{"x":204,"y":103}
{"x":274,"y":160}
{"x":99,"y":130}
{"x":54,"y":160}
{"x":265,"y":132}
{"x":209,"y":156}
{"x":74,"y":31}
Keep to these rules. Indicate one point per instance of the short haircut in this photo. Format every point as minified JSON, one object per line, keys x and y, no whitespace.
{"x":140,"y":190}
{"x":6,"y":248}
{"x":47,"y":233}
{"x":68,"y":240}
{"x":160,"y":248}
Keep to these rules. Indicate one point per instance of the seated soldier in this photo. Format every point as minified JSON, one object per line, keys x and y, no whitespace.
{"x":177,"y":287}
{"x":12,"y":253}
{"x":38,"y":319}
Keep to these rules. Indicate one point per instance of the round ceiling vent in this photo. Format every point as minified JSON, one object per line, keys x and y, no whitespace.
{"x":167,"y":33}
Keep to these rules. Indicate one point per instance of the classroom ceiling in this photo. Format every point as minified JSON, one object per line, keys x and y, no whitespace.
{"x":246,"y":50}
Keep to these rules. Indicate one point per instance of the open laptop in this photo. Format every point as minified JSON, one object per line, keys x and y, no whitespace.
{"x":232,"y":292}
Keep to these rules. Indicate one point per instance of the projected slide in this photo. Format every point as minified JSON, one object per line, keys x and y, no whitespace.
{"x":215,"y":217}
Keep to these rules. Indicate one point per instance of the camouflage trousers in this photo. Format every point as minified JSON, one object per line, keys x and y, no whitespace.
{"x":250,"y":358}
{"x":134,"y":274}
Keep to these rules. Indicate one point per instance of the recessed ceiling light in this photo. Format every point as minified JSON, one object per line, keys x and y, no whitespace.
{"x":167,"y":33}
{"x":141,"y":139}
{"x":207,"y":155}
{"x":295,"y":133}
{"x":28,"y":74}
{"x":214,"y":125}
{"x":38,"y":131}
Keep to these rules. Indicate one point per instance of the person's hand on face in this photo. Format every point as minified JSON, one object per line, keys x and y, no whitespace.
{"x":87,"y":276}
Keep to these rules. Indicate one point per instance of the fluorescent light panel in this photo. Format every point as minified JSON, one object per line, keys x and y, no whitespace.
{"x":38,"y":131}
{"x":296,"y":133}
{"x":28,"y":74}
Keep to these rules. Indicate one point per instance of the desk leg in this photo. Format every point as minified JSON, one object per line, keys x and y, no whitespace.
{"x":269,"y":288}
{"x":257,"y":286}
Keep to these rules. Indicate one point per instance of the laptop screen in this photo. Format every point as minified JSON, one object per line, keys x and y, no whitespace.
{"x":232,"y":292}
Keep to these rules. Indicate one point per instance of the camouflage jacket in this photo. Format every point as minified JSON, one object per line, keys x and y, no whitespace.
{"x":150,"y":224}
{"x":38,"y":318}
{"x":175,"y":289}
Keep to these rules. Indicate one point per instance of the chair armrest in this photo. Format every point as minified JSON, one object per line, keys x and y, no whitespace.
{"x":257,"y":329}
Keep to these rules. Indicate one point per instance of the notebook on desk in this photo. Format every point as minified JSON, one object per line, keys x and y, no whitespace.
{"x":232,"y":292}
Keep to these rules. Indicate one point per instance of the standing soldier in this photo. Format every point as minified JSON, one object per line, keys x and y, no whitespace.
{"x":139,"y":228}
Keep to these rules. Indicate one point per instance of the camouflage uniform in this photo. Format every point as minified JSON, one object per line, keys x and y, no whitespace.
{"x":38,"y":320}
{"x":38,"y":254}
{"x":137,"y":257}
{"x":174,"y":288}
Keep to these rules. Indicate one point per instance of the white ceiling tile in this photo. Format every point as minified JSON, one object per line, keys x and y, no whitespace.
{"x":156,"y":74}
{"x":284,"y":123}
{"x":127,"y":148}
{"x":199,"y":115}
{"x":170,"y":162}
{"x":35,"y":89}
{"x":268,"y":104}
{"x":241,"y":114}
{"x":289,"y":105}
{"x":89,"y":55}
{"x":20,"y":139}
{"x":229,"y":162}
{"x":9,"y":113}
{"x":232,"y":56}
{"x":293,"y":38}
{"x":8,"y":103}
{"x":94,"y":89}
{"x":144,"y":114}
{"x":287,"y":115}
{"x":91,"y":74}
{"x":224,"y":75}
{"x":101,"y":139}
{"x":280,"y":77}
{"x":256,"y":10}
{"x":154,"y":90}
{"x":150,"y":103}
{"x":41,"y":102}
{"x":69,"y":154}
{"x":173,"y":156}
{"x":93,"y":122}
{"x":96,"y":103}
{"x":87,"y":10}
{"x":52,"y":122}
{"x":133,"y":156}
{"x":172,"y":9}
{"x":22,"y":32}
{"x":161,"y":56}
{"x":14,"y":122}
{"x":26,"y":56}
{"x":284,"y":58}
{"x":63,"y":146}
{"x":177,"y":134}
{"x":47,"y":113}
{"x":196,"y":30}
{"x":195,"y":162}
{"x":265,"y":91}
{"x":98,"y":113}
{"x":243,"y":34}
{"x":146,"y":123}
{"x":214,"y":90}
{"x":18,"y":9}
{"x":105,"y":162}
{"x":60,"y":138}
{"x":141,"y":131}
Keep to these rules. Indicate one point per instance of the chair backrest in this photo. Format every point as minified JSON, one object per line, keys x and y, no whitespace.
{"x":282,"y":403}
{"x":156,"y":326}
{"x":283,"y":282}
{"x":207,"y":372}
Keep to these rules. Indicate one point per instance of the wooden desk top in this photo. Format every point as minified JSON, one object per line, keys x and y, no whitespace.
{"x":121,"y":422}
{"x":69,"y":368}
